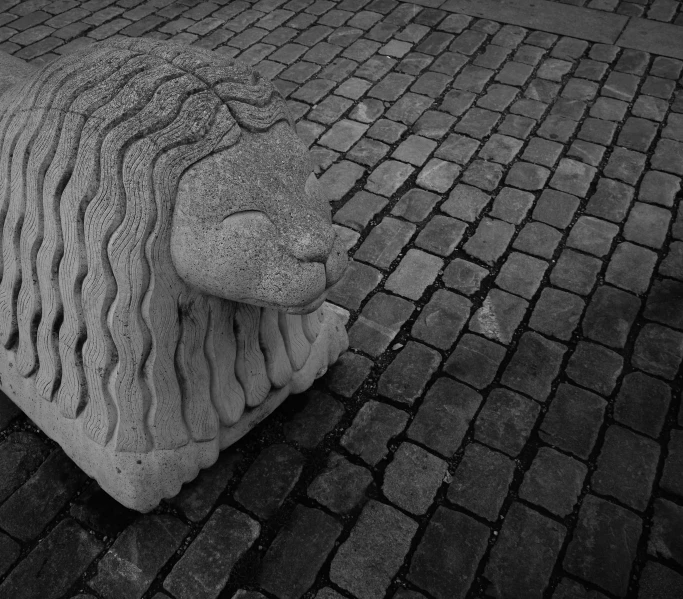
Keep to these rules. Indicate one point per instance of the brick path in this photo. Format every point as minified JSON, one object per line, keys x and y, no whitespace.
{"x":508,"y":423}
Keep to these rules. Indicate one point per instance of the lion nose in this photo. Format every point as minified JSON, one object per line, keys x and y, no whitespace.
{"x":312,"y":240}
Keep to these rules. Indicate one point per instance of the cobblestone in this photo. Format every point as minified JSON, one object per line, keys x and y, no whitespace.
{"x":512,"y":198}
{"x":505,"y":421}
{"x":448,"y":554}
{"x":441,"y":423}
{"x":375,"y":424}
{"x":554,"y":481}
{"x":481,"y":482}
{"x":596,"y":555}
{"x":297,"y":553}
{"x":528,"y":538}
{"x":412,"y":478}
{"x":371,"y":556}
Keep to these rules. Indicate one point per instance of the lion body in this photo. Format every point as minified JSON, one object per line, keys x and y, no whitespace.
{"x":92,"y":310}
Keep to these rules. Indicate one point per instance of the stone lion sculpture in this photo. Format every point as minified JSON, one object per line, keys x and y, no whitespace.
{"x":166,"y":251}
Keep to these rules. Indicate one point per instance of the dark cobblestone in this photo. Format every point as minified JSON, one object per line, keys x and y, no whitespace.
{"x":573,"y":420}
{"x":132,"y":563}
{"x":642,"y":403}
{"x":481,"y":482}
{"x":505,"y":421}
{"x":341,"y":486}
{"x":270,"y":479}
{"x":448,"y":554}
{"x":445,"y":416}
{"x":412,"y":478}
{"x":597,"y":555}
{"x":374,"y":426}
{"x":626,"y":467}
{"x":373,"y":553}
{"x":297,"y":553}
{"x":54,"y":565}
{"x":526,"y":538}
{"x":534,"y":366}
{"x":554,"y":481}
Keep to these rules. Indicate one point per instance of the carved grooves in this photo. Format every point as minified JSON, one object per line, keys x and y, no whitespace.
{"x":160,"y":305}
{"x":92,"y":153}
{"x":56,"y":180}
{"x":21,"y":135}
{"x":38,"y":188}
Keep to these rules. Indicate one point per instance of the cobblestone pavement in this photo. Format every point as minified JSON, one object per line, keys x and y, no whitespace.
{"x":508,"y":422}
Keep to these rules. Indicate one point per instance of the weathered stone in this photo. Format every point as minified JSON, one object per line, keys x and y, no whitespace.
{"x":358,"y":281}
{"x":20,"y":455}
{"x":610,"y":316}
{"x":526,"y":538}
{"x":292,"y":562}
{"x":341,"y":486}
{"x":415,"y":205}
{"x":658,"y":581}
{"x":29,"y":509}
{"x":373,"y":427}
{"x":412,"y":478}
{"x":269,"y":480}
{"x":658,"y":350}
{"x":441,"y":235}
{"x":482,"y":480}
{"x":464,"y":276}
{"x":505,"y":421}
{"x":665,"y":538}
{"x":320,"y":415}
{"x":595,"y":553}
{"x":631,"y":267}
{"x":534,"y":366}
{"x":512,"y":205}
{"x":142,"y":403}
{"x":475,"y":360}
{"x":499,"y":316}
{"x":447,"y":557}
{"x":575,"y":272}
{"x":490,"y":240}
{"x":627,"y":466}
{"x":671,"y":481}
{"x":556,"y":208}
{"x":442,"y":319}
{"x":55,"y":564}
{"x":379,"y":322}
{"x":98,"y":511}
{"x":405,"y":378}
{"x":521,"y":274}
{"x":554,"y":482}
{"x":348,"y":374}
{"x":368,"y":560}
{"x":416,"y":271}
{"x":573,"y":420}
{"x":445,"y":416}
{"x":465,"y":203}
{"x":132,"y":563}
{"x":557,"y":313}
{"x":592,"y":235}
{"x":203,"y":570}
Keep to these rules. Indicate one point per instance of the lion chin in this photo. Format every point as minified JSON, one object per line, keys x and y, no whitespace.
{"x":167,"y":258}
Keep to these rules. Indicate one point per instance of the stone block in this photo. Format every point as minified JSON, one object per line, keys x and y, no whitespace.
{"x":446,"y":560}
{"x":367,"y":561}
{"x":445,"y":416}
{"x":146,"y":399}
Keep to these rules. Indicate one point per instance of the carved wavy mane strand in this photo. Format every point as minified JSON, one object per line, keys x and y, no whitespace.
{"x":93,"y":148}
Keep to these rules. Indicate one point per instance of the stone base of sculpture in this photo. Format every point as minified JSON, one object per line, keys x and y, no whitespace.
{"x":140,"y":480}
{"x":165,"y":254}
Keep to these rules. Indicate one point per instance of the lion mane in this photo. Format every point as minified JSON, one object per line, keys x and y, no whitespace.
{"x":93,"y":148}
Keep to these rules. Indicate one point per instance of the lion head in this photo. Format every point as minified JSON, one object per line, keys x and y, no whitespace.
{"x":144,"y":186}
